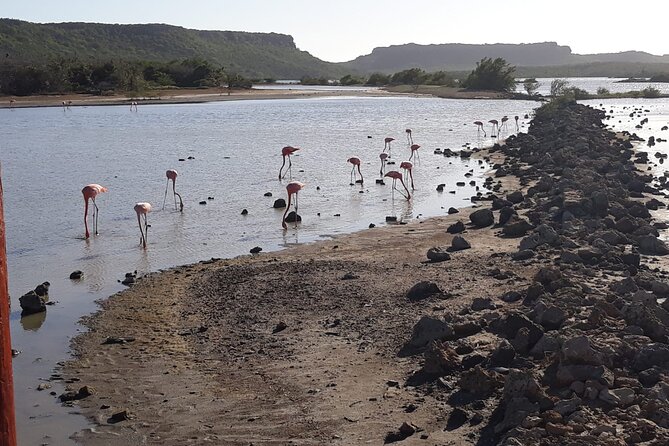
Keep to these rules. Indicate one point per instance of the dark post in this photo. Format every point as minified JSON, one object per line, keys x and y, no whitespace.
{"x":7,"y":417}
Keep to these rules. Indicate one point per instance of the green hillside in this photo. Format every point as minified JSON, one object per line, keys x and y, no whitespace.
{"x":257,"y":55}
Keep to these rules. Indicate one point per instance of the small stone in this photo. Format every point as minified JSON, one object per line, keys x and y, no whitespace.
{"x":203,"y":202}
{"x":438,"y":254}
{"x":459,"y":243}
{"x":279,"y":203}
{"x":255,"y":250}
{"x":422,"y":290}
{"x":76,"y":275}
{"x":118,"y":417}
{"x":245,"y":212}
{"x":268,"y":194}
{"x":279,"y":327}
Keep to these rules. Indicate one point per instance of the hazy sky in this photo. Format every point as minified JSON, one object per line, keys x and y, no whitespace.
{"x":341,"y":30}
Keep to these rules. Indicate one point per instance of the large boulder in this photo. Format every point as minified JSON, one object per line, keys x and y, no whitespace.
{"x":482,"y":218}
{"x":422,"y":290}
{"x":429,"y":329}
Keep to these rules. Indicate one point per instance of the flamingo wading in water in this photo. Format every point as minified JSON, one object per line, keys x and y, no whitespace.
{"x":285,"y":153}
{"x":143,"y":209}
{"x":172,"y":174}
{"x":292,"y":188}
{"x":386,"y":144}
{"x":409,"y":137}
{"x":494,"y":124}
{"x":395,"y":175}
{"x":414,"y":151}
{"x":504,"y":125}
{"x":407,"y":166}
{"x":516,"y":118}
{"x":479,"y":128}
{"x":384,"y":158}
{"x":356,"y":163}
{"x":90,"y":192}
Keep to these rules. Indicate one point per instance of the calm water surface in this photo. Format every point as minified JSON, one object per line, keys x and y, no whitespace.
{"x":49,"y":154}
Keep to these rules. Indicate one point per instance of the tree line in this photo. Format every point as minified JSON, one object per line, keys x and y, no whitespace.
{"x":71,"y":75}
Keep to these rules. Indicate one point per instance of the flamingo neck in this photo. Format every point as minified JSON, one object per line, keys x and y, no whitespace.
{"x":283,"y":220}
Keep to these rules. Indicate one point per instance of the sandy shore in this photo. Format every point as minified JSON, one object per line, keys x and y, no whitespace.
{"x":181,"y":96}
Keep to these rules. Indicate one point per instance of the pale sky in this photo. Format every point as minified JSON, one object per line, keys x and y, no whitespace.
{"x":341,"y":30}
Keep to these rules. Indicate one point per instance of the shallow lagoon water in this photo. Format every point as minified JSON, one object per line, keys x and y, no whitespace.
{"x":49,"y":154}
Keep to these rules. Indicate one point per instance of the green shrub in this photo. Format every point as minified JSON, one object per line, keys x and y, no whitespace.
{"x":650,"y":92}
{"x":491,"y":74}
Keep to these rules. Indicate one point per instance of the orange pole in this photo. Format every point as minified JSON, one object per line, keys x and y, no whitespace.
{"x":7,"y":417}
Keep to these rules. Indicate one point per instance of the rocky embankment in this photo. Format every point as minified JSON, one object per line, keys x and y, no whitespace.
{"x":581,"y":355}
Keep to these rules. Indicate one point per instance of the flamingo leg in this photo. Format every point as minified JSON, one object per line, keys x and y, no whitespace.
{"x":290,"y":168}
{"x":352,"y":175}
{"x":141,"y":231}
{"x":146,"y":230}
{"x":174,"y":193}
{"x":411,"y":175}
{"x":362,"y":180}
{"x":97,"y":211}
{"x":296,"y":215}
{"x":181,"y":202}
{"x":282,"y":164}
{"x":166,"y":185}
{"x":86,"y":218}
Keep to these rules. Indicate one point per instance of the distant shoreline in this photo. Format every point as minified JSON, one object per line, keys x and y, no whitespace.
{"x":193,"y":96}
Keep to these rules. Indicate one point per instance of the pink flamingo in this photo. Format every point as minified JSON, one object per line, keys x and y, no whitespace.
{"x":143,"y":209}
{"x":286,"y":152}
{"x":386,"y":144}
{"x":479,"y":128}
{"x":90,"y":192}
{"x":494,"y":124}
{"x":395,"y":175}
{"x":11,"y":103}
{"x":516,"y":118}
{"x":414,"y":151}
{"x":171,"y":174}
{"x":292,"y":188}
{"x":409,"y":137}
{"x":356,"y":163}
{"x":407,"y":166}
{"x":504,"y":119}
{"x":384,"y":158}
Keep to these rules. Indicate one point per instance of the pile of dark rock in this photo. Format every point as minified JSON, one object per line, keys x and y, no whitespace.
{"x":581,"y":354}
{"x":35,"y":301}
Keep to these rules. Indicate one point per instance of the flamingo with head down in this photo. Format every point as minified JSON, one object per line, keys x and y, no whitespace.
{"x":414,"y":151}
{"x":407,"y":166}
{"x":172,"y":174}
{"x":285,"y":153}
{"x":494,"y":123}
{"x":356,"y":163}
{"x":90,"y":192}
{"x":479,"y":128}
{"x":395,"y":175}
{"x":143,"y":209}
{"x":292,"y":188}
{"x":386,"y":144}
{"x":384,"y":158}
{"x":409,"y":136}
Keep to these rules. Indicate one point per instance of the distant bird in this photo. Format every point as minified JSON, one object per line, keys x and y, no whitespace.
{"x":386,"y":144}
{"x":11,"y":103}
{"x":384,"y":158}
{"x":494,"y":123}
{"x":517,"y":128}
{"x":356,"y":163}
{"x":409,"y":137}
{"x":171,"y":174}
{"x":143,"y":209}
{"x":285,"y":153}
{"x":504,"y":119}
{"x":133,"y":104}
{"x":395,"y":175}
{"x":407,"y":166}
{"x":64,"y":105}
{"x":90,"y":192}
{"x":414,"y":151}
{"x":479,"y":128}
{"x":292,"y":188}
